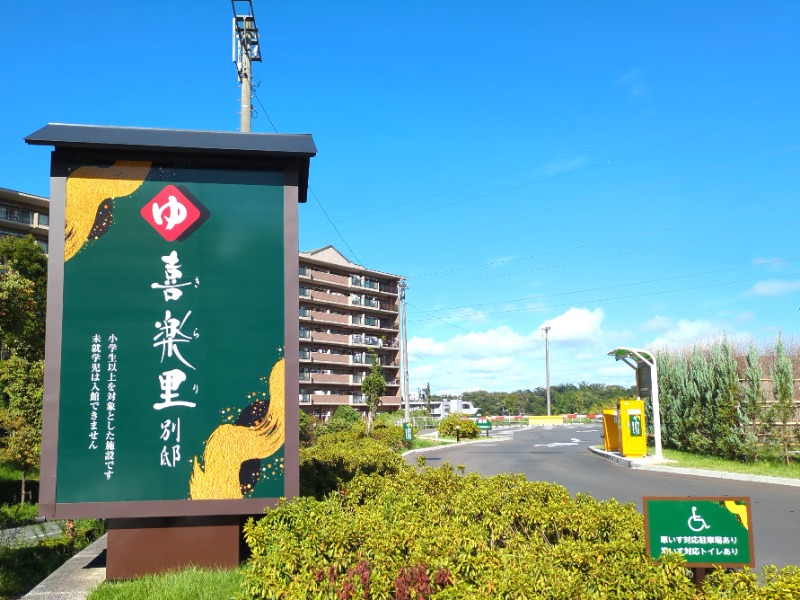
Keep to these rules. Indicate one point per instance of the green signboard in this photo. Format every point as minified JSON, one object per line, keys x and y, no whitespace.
{"x":707,"y":531}
{"x":172,"y":324}
{"x":484,"y":424}
{"x":171,"y":359}
{"x":635,"y":424}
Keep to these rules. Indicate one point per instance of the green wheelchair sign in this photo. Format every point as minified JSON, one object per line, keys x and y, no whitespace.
{"x":707,"y":531}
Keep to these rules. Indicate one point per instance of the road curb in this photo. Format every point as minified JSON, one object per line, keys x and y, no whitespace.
{"x":456,"y":444}
{"x":643,"y":465}
{"x":76,"y":578}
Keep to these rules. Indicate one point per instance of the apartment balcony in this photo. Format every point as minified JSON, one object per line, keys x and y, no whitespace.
{"x":325,"y":378}
{"x":334,"y":338}
{"x":325,"y":357}
{"x":325,"y":317}
{"x":327,"y":399}
{"x":328,"y":277}
{"x":318,"y":296}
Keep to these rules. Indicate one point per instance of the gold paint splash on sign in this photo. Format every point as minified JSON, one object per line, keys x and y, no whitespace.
{"x":740,"y":510}
{"x":231,"y":445}
{"x":90,"y":191}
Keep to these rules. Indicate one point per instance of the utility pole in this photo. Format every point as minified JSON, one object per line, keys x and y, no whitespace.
{"x":246,"y":49}
{"x":547,"y":364}
{"x":401,"y":289}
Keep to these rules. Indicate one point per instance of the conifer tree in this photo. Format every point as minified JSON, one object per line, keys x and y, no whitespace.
{"x":699,"y":394}
{"x":671,"y":404}
{"x":751,"y":412}
{"x":725,"y":433}
{"x":783,"y":405}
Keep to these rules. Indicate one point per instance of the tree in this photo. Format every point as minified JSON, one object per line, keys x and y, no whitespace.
{"x":783,"y":407}
{"x":373,"y":387}
{"x":21,"y":414}
{"x":752,"y":410}
{"x":698,"y":393}
{"x":23,"y":296}
{"x":512,"y":404}
{"x":427,"y":395}
{"x":725,"y":414}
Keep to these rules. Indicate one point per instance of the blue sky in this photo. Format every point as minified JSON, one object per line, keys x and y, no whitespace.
{"x":625,"y":173}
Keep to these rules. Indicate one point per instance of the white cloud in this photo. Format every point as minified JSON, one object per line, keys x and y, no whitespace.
{"x":774,"y":287}
{"x":658,"y":323}
{"x":634,"y":82}
{"x":426,"y":347}
{"x":577,"y":324}
{"x":502,"y":359}
{"x":686,"y":333}
{"x":773,"y":263}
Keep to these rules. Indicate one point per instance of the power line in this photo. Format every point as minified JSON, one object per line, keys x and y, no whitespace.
{"x":621,"y":285}
{"x":313,"y":193}
{"x":613,"y":298}
{"x":633,"y":252}
{"x":573,"y":155}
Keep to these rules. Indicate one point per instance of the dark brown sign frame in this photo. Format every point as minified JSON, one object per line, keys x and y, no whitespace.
{"x":288,"y":154}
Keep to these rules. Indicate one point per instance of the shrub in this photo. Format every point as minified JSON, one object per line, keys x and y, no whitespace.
{"x":337,"y":458}
{"x":435,"y":534}
{"x":309,"y":424}
{"x":468,"y":427}
{"x":24,"y":566}
{"x":17,"y":515}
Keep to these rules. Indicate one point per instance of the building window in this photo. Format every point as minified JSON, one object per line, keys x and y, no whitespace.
{"x":19,"y":215}
{"x":305,"y":333}
{"x":304,"y":271}
{"x":304,"y":312}
{"x":305,"y":353}
{"x":371,"y":321}
{"x":305,"y":291}
{"x":44,"y":220}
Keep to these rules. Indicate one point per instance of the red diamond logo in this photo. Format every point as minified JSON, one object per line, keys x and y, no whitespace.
{"x":171,"y":213}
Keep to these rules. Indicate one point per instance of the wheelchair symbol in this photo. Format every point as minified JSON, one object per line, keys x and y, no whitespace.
{"x":696,"y":522}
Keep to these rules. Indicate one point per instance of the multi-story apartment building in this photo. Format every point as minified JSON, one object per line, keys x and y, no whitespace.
{"x":24,"y":214}
{"x":345,"y":310}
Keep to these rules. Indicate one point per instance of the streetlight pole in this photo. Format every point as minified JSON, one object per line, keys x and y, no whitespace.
{"x":401,"y":286}
{"x":246,"y":49}
{"x":547,"y":364}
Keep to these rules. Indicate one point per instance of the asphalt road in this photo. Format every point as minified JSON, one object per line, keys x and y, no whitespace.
{"x":561,"y":455}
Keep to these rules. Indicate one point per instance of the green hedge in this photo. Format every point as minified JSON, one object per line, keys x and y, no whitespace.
{"x":337,"y":458}
{"x":467,"y":427}
{"x":434,"y":534}
{"x":23,"y":566}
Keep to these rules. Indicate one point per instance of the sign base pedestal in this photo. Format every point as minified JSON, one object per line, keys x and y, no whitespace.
{"x":143,"y":546}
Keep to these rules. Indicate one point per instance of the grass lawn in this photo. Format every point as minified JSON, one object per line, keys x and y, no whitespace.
{"x":191,"y":584}
{"x":766,"y":468}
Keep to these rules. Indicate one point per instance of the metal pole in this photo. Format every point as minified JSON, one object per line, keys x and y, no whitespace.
{"x":401,"y":287}
{"x":246,"y":78}
{"x":656,"y":410}
{"x":547,"y":364}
